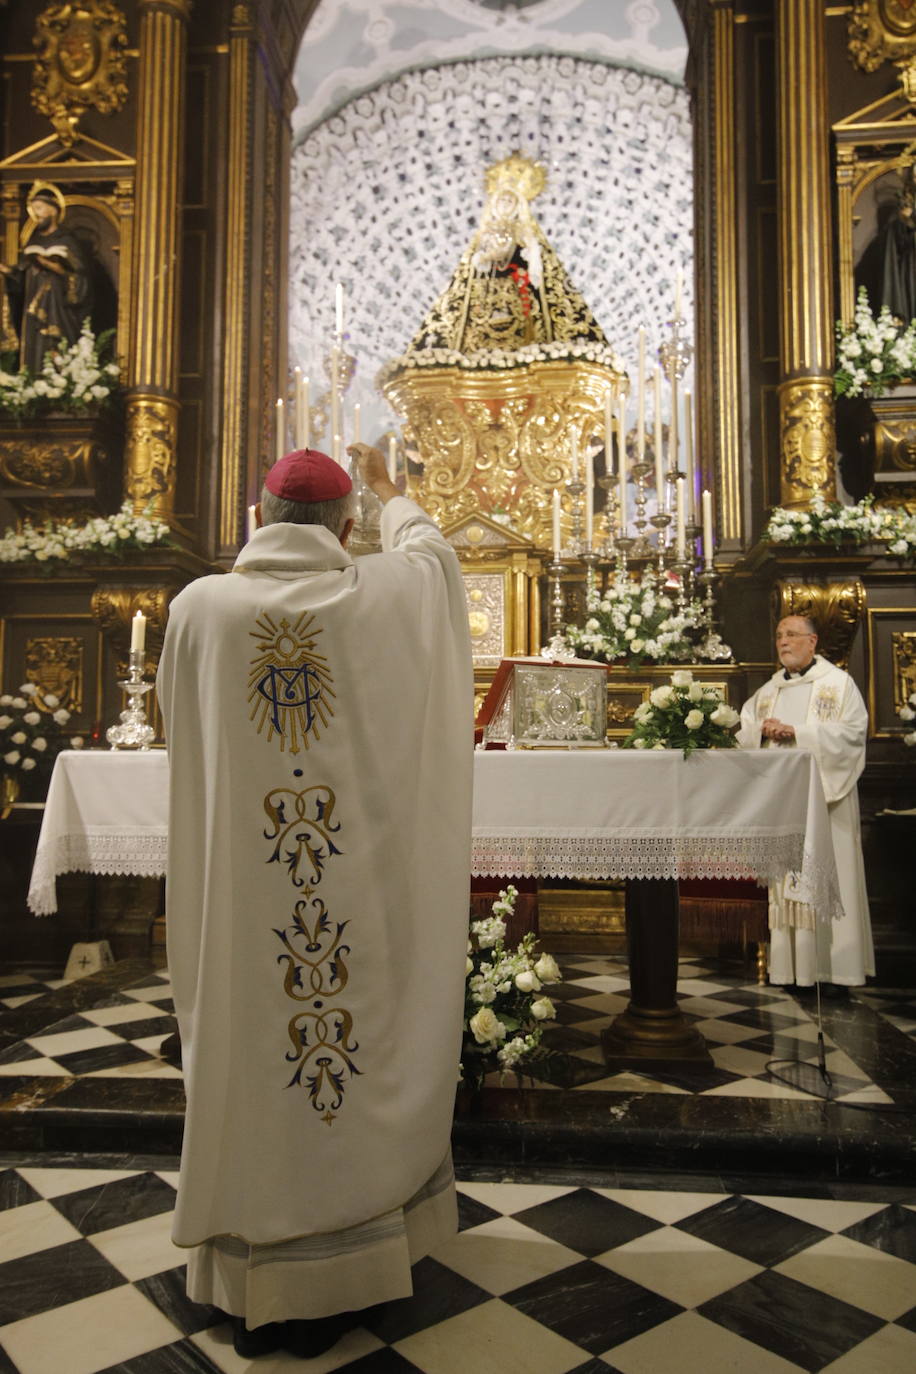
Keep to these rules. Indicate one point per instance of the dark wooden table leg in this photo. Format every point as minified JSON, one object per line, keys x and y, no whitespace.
{"x":653,"y":1027}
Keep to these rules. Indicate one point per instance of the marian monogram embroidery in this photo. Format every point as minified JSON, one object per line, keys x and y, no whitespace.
{"x":290,"y":688}
{"x":302,"y":828}
{"x":826,"y":704}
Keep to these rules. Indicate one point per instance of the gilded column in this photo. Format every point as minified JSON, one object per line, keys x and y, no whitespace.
{"x":728,"y":409}
{"x":806,"y":412}
{"x":152,"y":402}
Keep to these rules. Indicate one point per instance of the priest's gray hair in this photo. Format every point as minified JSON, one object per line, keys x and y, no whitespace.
{"x":333,"y":515}
{"x":805,"y":619}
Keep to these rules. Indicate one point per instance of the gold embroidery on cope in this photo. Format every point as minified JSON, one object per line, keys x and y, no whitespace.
{"x":826,"y":704}
{"x":290,"y":685}
{"x":302,"y":824}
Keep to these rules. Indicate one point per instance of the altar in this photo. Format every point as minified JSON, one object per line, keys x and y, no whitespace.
{"x":650,"y":818}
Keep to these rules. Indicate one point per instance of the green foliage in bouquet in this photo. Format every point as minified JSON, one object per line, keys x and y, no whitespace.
{"x":686,"y":715}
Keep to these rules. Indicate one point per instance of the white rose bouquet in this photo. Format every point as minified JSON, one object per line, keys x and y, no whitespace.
{"x":636,"y":620}
{"x":686,"y":715}
{"x":830,"y":522}
{"x":24,"y":731}
{"x":873,"y":354}
{"x":505,"y":1008}
{"x":57,"y":541}
{"x":78,"y":379}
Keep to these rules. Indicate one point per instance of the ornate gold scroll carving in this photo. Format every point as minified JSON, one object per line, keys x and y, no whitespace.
{"x":54,"y":663}
{"x":152,"y":440}
{"x":835,"y":607}
{"x":113,"y":609}
{"x":55,"y":464}
{"x":885,"y":31}
{"x":808,"y":439}
{"x":80,"y":64}
{"x":903,"y":650}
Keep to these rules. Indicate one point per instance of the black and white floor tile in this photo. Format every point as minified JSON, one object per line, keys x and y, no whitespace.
{"x":545,"y":1277}
{"x":746,"y":1027}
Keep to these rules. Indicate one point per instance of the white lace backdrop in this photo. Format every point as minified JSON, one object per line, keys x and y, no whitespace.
{"x":387,"y":191}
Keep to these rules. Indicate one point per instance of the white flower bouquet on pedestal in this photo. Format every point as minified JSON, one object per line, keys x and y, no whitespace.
{"x":636,"y":620}
{"x":505,"y":1009}
{"x":686,"y":715}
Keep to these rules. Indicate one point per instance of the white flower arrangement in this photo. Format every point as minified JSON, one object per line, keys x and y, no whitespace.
{"x":873,"y":354}
{"x":57,"y":541}
{"x":635,"y":619}
{"x":504,"y":1011}
{"x":23,"y":733}
{"x":567,"y":350}
{"x":907,"y":714}
{"x":830,"y":522}
{"x":76,"y":378}
{"x":685,"y":715}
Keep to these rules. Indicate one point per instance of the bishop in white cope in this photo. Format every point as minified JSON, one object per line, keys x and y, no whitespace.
{"x":809,"y":703}
{"x":318,"y":716}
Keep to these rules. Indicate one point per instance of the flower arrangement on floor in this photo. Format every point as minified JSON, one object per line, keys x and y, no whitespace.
{"x":829,"y":522}
{"x":58,"y":541}
{"x":684,"y":715}
{"x":24,"y":734}
{"x":77,"y":379}
{"x":873,"y":354}
{"x":504,"y":1009}
{"x":635,"y":620}
{"x":907,"y":713}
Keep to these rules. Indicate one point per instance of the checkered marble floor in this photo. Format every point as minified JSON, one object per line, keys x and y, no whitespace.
{"x":556,"y":1274}
{"x":746,"y":1027}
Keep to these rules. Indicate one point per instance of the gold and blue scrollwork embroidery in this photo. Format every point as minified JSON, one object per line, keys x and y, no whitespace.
{"x":321,"y":1033}
{"x":301,"y":826}
{"x":290,"y":689}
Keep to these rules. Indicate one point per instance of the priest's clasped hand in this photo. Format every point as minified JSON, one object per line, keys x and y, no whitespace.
{"x":777,"y":730}
{"x":373,"y":471}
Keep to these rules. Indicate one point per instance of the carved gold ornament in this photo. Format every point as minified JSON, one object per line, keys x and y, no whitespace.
{"x":152,"y":440}
{"x":903,"y":649}
{"x":885,"y":31}
{"x":55,"y":665}
{"x":81,"y":63}
{"x":113,"y":609}
{"x":836,"y":608}
{"x":808,"y":440}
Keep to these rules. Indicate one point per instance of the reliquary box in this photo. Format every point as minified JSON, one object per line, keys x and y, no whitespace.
{"x":536,"y":704}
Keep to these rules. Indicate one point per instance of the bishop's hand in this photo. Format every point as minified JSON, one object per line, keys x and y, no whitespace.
{"x":373,"y":471}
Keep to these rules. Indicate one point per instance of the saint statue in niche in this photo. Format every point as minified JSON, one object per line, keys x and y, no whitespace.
{"x":49,"y":290}
{"x":887,"y":268}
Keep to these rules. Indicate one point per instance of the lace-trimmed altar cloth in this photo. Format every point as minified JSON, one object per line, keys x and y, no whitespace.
{"x":107,"y":812}
{"x":733,"y":813}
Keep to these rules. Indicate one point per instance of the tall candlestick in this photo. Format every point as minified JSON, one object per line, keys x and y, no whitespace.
{"x":138,"y":633}
{"x":392,"y":458}
{"x":707,"y":528}
{"x":252,"y":522}
{"x":674,"y":438}
{"x":589,"y":499}
{"x":641,"y":399}
{"x":556,"y":525}
{"x":688,"y":449}
{"x":336,"y":448}
{"x":608,"y":432}
{"x":680,"y":529}
{"x":281,"y":429}
{"x":357,"y":433}
{"x":622,"y":462}
{"x":339,"y":311}
{"x":301,"y":417}
{"x":659,"y":456}
{"x":335,"y":391}
{"x":574,"y":455}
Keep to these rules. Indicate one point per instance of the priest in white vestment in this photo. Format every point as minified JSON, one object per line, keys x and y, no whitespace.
{"x":809,"y":703}
{"x":319,"y":722}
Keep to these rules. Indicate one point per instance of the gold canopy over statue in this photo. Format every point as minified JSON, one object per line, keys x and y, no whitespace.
{"x":508,"y":365}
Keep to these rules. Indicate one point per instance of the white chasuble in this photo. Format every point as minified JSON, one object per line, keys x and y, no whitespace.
{"x":318,"y":716}
{"x":829,"y":717}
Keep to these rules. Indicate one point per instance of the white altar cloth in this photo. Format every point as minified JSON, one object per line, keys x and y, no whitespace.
{"x":735,"y":813}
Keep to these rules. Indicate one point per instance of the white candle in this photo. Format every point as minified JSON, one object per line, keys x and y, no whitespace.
{"x":641,"y":399}
{"x":674,"y":438}
{"x":306,"y":424}
{"x":392,"y":458}
{"x":556,"y":525}
{"x":574,"y":456}
{"x":281,"y":428}
{"x":335,"y":391}
{"x":659,"y":441}
{"x":338,"y":310}
{"x":680,"y":531}
{"x":707,"y":528}
{"x":301,"y":416}
{"x":357,"y":432}
{"x":688,"y":448}
{"x":297,"y":405}
{"x":622,"y":463}
{"x":589,"y":498}
{"x":252,"y":522}
{"x":336,"y":448}
{"x":138,"y":633}
{"x":677,"y":293}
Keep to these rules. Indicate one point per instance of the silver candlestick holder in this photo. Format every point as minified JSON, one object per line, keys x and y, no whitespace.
{"x":713,"y":646}
{"x":660,"y":522}
{"x":675,"y":350}
{"x":641,"y":547}
{"x":575,"y":489}
{"x":591,"y":558}
{"x":556,"y":569}
{"x":134,"y":731}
